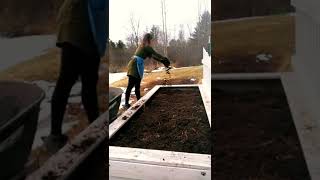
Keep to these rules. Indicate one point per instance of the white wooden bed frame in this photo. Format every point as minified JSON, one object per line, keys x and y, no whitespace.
{"x":135,"y":163}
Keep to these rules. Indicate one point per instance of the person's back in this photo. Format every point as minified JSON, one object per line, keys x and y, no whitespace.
{"x":74,"y":26}
{"x":144,"y":52}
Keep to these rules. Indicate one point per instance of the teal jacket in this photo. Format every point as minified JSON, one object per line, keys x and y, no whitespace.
{"x":99,"y":22}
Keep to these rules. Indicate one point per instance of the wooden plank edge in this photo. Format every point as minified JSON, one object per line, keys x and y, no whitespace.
{"x":160,"y":157}
{"x":118,"y":123}
{"x":207,"y":103}
{"x":129,"y":170}
{"x":67,"y":159}
{"x":245,"y":76}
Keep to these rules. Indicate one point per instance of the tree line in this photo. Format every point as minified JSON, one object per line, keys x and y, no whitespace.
{"x":180,"y":50}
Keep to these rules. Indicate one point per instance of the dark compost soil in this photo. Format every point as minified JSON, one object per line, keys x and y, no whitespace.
{"x":174,"y":119}
{"x":254,"y":134}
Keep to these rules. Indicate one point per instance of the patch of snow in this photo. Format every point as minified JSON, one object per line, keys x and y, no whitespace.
{"x":45,"y":129}
{"x":263,"y":57}
{"x":74,"y":100}
{"x":42,"y":84}
{"x":76,"y":89}
{"x":123,"y":96}
{"x":45,"y":111}
{"x":113,"y":77}
{"x":49,"y":94}
{"x":159,"y":69}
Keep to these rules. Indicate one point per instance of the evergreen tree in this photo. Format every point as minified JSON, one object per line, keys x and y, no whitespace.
{"x":121,"y":45}
{"x":201,"y":34}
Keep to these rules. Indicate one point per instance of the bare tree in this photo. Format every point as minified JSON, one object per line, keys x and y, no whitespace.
{"x":199,"y":10}
{"x":181,"y":35}
{"x":135,"y":24}
{"x":164,"y":26}
{"x":174,"y":31}
{"x":189,"y":30}
{"x":131,"y":41}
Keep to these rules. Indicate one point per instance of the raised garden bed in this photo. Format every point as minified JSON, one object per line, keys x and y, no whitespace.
{"x":254,"y":134}
{"x":161,"y":137}
{"x":174,"y":119}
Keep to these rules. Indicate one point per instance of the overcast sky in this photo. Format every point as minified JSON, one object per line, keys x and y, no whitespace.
{"x":149,"y":12}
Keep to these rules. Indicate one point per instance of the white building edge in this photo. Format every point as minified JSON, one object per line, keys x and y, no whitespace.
{"x":302,"y":85}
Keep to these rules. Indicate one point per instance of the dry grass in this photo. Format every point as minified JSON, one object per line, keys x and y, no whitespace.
{"x":238,"y":41}
{"x":43,"y":67}
{"x":178,"y":76}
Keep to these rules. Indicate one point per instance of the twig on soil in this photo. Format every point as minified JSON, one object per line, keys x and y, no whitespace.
{"x":186,"y":134}
{"x":266,"y":143}
{"x":194,"y":130}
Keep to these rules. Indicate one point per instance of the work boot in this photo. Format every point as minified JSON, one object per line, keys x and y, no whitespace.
{"x":54,"y":142}
{"x":126,"y":106}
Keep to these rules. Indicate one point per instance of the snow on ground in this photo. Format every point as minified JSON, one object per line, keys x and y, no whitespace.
{"x":123,"y":97}
{"x":113,"y":77}
{"x":160,"y":69}
{"x":44,"y":121}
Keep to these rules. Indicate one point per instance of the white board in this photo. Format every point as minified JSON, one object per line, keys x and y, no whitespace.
{"x":128,"y":170}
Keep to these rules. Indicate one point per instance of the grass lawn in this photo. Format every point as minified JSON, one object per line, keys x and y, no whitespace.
{"x":236,"y":44}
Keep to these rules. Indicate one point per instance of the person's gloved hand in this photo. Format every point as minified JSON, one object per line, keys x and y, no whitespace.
{"x":166,"y":62}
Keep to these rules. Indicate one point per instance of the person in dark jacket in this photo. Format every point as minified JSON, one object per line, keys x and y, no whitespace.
{"x":82,"y":37}
{"x":136,"y":65}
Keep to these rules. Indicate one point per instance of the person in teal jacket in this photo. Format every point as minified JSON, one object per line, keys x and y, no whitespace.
{"x":136,"y":65}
